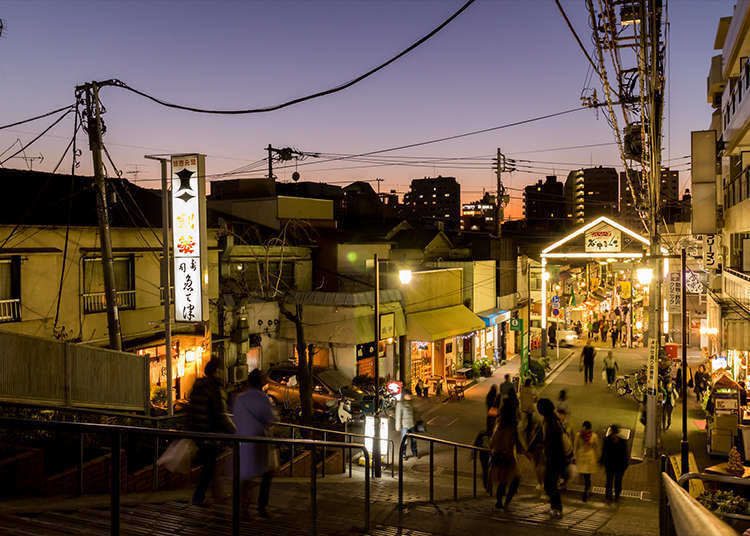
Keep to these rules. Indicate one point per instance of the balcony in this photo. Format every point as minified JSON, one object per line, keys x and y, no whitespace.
{"x":96,"y":302}
{"x":735,"y":43}
{"x":10,"y":310}
{"x":736,"y":286}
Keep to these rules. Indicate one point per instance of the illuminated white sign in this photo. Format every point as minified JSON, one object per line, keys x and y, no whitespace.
{"x":189,"y":237}
{"x":604,"y":238}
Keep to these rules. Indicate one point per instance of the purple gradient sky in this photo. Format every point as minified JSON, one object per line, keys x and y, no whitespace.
{"x":500,"y":61}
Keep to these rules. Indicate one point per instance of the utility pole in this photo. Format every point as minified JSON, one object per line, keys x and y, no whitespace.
{"x":270,"y":161}
{"x":499,"y":216}
{"x":94,"y":126}
{"x":650,"y":29}
{"x":684,"y":447}
{"x":165,"y":277}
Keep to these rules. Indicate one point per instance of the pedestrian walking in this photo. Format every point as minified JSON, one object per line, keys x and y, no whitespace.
{"x":604,"y":328}
{"x":586,"y":447}
{"x":552,"y":334}
{"x":615,"y":461}
{"x":483,"y":441}
{"x":595,"y":329}
{"x":208,"y":413}
{"x":563,"y":407}
{"x":504,"y":471}
{"x":405,"y":422}
{"x":492,"y":402}
{"x":613,"y":336}
{"x":587,"y":362}
{"x":505,"y":388}
{"x":253,"y":415}
{"x":589,"y":329}
{"x":554,"y":454}
{"x":669,"y":397}
{"x":528,"y":397}
{"x":701,"y":382}
{"x":610,"y":367}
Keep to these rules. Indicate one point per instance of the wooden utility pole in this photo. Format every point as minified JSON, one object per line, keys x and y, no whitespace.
{"x":499,"y":215}
{"x":94,"y":125}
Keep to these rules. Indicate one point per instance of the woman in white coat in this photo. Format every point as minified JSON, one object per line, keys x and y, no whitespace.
{"x":587,"y":448}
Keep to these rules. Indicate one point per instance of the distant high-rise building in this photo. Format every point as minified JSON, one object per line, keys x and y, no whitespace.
{"x":591,"y":192}
{"x":479,"y":215}
{"x":544,"y":201}
{"x":671,"y":203}
{"x":435,"y":199}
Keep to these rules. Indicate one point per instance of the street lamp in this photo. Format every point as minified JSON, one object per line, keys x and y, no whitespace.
{"x":644,"y":275}
{"x":404,"y":277}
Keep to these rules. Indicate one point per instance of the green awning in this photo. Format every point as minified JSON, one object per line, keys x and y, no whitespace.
{"x":437,"y":324}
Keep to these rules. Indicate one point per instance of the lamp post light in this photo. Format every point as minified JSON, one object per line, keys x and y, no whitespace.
{"x":404,"y":277}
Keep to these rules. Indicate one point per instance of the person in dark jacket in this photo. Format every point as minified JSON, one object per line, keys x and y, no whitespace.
{"x":554,"y":455}
{"x":492,"y":401}
{"x":208,"y":413}
{"x":701,"y":379}
{"x":615,"y":461}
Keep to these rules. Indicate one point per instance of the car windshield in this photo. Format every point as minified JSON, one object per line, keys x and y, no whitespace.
{"x":333,"y":379}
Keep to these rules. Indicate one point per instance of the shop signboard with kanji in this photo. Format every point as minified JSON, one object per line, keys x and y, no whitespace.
{"x":674,"y":299}
{"x":603,"y":238}
{"x":189,"y":237}
{"x":652,"y":367}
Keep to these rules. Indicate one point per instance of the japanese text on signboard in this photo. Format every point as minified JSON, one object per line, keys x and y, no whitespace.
{"x":186,"y":227}
{"x":603,"y":239}
{"x":674,"y":303}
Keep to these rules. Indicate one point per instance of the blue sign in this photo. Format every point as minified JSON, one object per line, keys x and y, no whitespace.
{"x":555,"y":301}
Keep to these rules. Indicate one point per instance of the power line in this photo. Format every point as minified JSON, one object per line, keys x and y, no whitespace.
{"x":22,"y":149}
{"x":578,"y":39}
{"x":53,"y":112}
{"x":307,"y":97}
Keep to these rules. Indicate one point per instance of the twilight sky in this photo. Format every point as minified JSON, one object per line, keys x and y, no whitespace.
{"x":500,"y":61}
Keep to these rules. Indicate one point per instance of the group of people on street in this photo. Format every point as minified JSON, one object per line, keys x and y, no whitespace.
{"x":252,"y":415}
{"x":541,"y":430}
{"x":614,"y":328}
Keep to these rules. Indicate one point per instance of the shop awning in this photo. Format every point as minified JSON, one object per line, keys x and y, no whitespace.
{"x":437,"y":324}
{"x":494,"y":316}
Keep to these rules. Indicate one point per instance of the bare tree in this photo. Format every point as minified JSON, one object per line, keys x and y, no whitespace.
{"x":268,"y":284}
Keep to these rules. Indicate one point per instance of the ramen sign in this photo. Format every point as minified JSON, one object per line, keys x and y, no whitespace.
{"x":603,"y":239}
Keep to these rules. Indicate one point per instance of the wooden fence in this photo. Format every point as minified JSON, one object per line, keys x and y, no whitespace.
{"x":41,"y":371}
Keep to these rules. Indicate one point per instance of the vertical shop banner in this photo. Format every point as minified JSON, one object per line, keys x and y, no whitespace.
{"x":674,"y":299}
{"x":189,"y":238}
{"x":652,"y":369}
{"x":710,"y":247}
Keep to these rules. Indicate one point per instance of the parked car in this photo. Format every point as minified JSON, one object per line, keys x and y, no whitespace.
{"x":330,"y":388}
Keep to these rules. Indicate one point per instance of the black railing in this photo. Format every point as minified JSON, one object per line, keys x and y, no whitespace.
{"x":349,"y":436}
{"x":432,"y":440}
{"x":116,"y":433}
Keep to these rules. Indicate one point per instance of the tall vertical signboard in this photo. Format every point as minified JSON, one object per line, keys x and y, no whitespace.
{"x":189,"y":238}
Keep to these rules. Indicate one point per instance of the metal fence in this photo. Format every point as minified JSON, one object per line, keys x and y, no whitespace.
{"x":432,"y":441}
{"x":96,"y":302}
{"x":116,"y":434}
{"x":10,"y":310}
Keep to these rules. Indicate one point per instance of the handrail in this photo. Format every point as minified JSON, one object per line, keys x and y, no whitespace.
{"x":724,"y":479}
{"x":93,"y":411}
{"x":432,"y":440}
{"x":117,"y":432}
{"x":690,"y":516}
{"x":391,"y":449}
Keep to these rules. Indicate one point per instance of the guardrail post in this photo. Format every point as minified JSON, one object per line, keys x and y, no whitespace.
{"x":663,"y":531}
{"x":114,"y":503}
{"x":432,"y":467}
{"x":313,"y":490}
{"x":350,"y":458}
{"x":80,"y":462}
{"x":367,"y":490}
{"x":474,"y":480}
{"x":325,"y":456}
{"x":291,"y":461}
{"x":401,"y":450}
{"x":235,"y":488}
{"x":155,"y":466}
{"x":455,"y":473}
{"x":393,"y":456}
{"x":343,"y":457}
